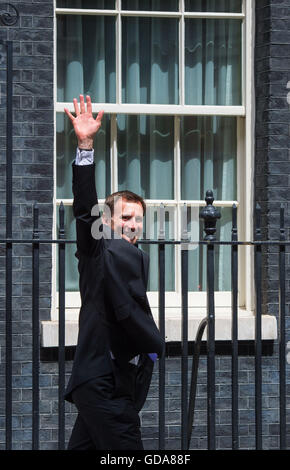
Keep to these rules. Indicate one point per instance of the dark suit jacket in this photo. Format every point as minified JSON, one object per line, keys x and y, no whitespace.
{"x":115,"y":314}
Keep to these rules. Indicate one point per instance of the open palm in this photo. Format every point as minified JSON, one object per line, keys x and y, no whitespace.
{"x":85,"y":125}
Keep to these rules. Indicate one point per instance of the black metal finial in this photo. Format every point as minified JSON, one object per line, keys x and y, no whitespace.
{"x":61,"y":229}
{"x":258,"y":233}
{"x":7,"y":18}
{"x":282,"y":223}
{"x":35,"y":233}
{"x":161,"y":234}
{"x":210,"y":214}
{"x":184,"y":231}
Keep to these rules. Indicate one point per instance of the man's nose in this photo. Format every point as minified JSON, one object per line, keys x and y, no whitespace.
{"x":132,"y":224}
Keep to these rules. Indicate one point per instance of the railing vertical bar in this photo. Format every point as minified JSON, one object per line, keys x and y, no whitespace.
{"x":258,"y":331}
{"x":161,"y":313}
{"x":194,"y":374}
{"x":61,"y":332}
{"x":9,"y":134}
{"x":184,"y":331}
{"x":282,"y":343}
{"x":210,"y":215}
{"x":210,"y":348}
{"x":8,"y":347}
{"x":35,"y":332}
{"x":235,"y":390}
{"x":8,"y":326}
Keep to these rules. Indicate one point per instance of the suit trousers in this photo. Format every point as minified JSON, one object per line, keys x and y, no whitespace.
{"x":107,"y":416}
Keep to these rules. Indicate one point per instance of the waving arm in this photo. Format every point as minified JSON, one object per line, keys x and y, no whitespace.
{"x":84,"y":189}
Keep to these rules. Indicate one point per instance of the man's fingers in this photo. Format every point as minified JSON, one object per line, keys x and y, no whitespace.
{"x":82,"y":110}
{"x":100,"y":117}
{"x":89,"y":104}
{"x":69,"y":114}
{"x":76,"y":106}
{"x":82,"y":104}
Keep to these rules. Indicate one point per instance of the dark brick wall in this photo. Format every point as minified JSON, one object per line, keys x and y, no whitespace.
{"x":33,"y":140}
{"x":33,"y":181}
{"x":272,"y":165}
{"x":272,"y":162}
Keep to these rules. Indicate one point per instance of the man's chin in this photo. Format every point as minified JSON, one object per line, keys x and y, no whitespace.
{"x":130,"y":240}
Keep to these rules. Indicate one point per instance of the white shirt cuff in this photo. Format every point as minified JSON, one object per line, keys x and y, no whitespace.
{"x":84,"y":157}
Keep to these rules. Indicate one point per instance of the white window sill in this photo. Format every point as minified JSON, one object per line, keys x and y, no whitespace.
{"x":246,"y":326}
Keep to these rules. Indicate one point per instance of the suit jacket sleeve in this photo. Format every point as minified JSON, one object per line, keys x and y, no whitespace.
{"x":85,"y":198}
{"x":126,"y":292}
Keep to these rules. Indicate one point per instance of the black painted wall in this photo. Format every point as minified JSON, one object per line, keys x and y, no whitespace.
{"x":272,"y":162}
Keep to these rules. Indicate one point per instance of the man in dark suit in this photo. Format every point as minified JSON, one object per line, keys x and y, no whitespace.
{"x":118,"y":340}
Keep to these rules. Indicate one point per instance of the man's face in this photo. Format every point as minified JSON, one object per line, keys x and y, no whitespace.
{"x":127,"y":220}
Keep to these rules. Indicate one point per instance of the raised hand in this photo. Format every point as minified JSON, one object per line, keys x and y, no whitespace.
{"x":84,"y":124}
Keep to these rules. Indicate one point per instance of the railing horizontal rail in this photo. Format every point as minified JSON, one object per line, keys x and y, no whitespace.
{"x":157,"y":242}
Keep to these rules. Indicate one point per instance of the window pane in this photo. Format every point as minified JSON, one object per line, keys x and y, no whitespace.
{"x":66,"y":144}
{"x":208,"y":157}
{"x":150,"y":5}
{"x":71,"y":262}
{"x":225,"y":6}
{"x":146,"y":155}
{"x":150,"y":60}
{"x":151,"y":231}
{"x":92,"y":4}
{"x":197,"y":253}
{"x":213,"y":62}
{"x":86,"y":58}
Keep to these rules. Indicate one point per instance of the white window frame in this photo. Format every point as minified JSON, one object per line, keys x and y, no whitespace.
{"x":245,"y":157}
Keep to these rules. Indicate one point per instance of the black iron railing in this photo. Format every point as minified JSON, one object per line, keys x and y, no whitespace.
{"x":187,"y":394}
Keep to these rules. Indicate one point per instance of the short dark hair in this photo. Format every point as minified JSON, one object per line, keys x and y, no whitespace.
{"x":127,"y":195}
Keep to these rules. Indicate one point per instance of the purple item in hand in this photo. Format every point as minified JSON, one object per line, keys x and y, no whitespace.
{"x":153,"y":356}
